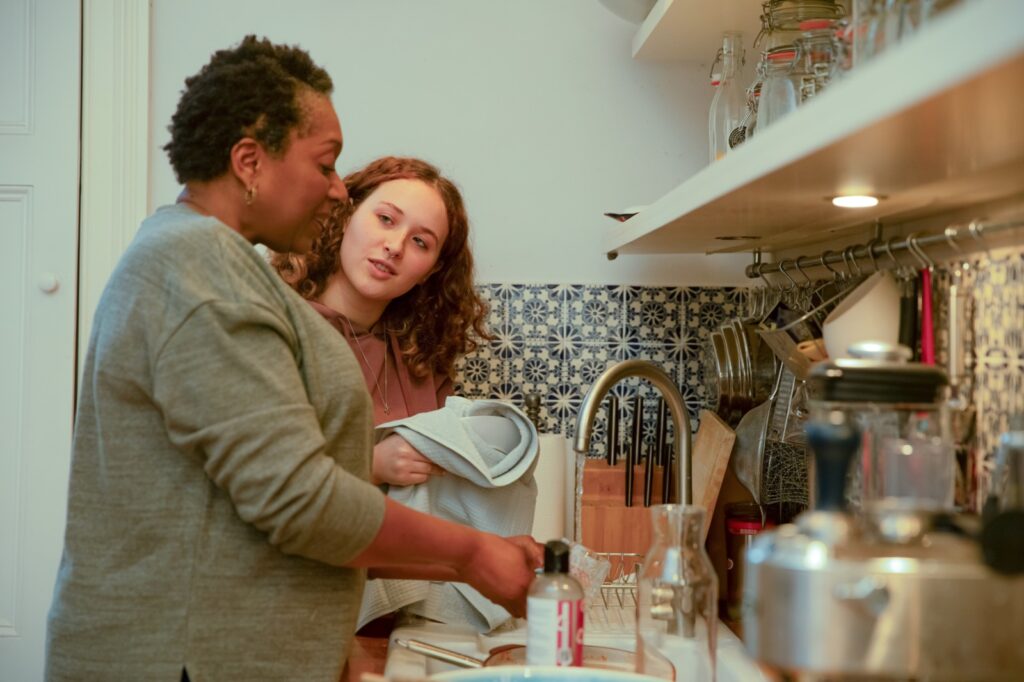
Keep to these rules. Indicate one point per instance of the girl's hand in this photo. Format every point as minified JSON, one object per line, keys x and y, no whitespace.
{"x":395,"y":462}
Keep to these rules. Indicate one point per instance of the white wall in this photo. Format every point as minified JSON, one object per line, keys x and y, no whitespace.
{"x":534,"y":107}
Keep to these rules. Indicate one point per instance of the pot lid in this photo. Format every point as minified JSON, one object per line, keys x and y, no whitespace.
{"x":878,"y":373}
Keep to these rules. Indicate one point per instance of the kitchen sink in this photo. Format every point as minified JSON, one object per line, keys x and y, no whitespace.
{"x":613,"y":630}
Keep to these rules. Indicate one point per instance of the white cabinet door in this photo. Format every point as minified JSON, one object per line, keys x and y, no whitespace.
{"x":39,"y":152}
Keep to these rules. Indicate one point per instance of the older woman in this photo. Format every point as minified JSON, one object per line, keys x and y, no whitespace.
{"x":220,"y":517}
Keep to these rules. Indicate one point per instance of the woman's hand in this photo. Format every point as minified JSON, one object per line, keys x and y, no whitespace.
{"x":395,"y":462}
{"x":502,"y":569}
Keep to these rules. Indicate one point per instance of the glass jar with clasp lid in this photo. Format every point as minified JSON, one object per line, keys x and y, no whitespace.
{"x":780,"y":19}
{"x":818,"y":56}
{"x":780,"y":91}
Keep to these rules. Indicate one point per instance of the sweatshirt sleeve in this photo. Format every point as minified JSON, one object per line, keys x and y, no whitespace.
{"x":228,"y":383}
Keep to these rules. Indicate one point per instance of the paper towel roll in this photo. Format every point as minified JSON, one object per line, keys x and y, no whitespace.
{"x":549,"y":516}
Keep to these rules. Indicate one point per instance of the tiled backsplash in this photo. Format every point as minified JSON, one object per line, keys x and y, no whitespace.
{"x":997,"y":349}
{"x":554,"y":340}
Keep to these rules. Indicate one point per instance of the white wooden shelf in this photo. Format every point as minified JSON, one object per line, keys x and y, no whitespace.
{"x":691,"y":30}
{"x":933,"y":125}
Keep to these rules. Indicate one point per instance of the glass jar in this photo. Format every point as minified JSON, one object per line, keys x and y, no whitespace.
{"x":867,"y":34}
{"x":780,"y":19}
{"x":728,"y":105}
{"x":779,"y":94}
{"x":743,"y":521}
{"x":677,"y":595}
{"x":907,"y":456}
{"x":818,"y":54}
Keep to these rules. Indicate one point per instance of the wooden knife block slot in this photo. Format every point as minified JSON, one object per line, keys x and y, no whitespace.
{"x":605,"y":485}
{"x":608,"y":525}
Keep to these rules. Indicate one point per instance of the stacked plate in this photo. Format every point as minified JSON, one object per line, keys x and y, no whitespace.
{"x":739,"y":369}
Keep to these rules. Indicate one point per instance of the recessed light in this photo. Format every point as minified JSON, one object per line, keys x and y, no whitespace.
{"x":855,"y":201}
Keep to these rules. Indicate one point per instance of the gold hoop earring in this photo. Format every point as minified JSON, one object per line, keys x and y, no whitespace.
{"x":250,"y":195}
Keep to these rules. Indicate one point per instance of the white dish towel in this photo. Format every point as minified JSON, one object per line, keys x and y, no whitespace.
{"x":488,"y":449}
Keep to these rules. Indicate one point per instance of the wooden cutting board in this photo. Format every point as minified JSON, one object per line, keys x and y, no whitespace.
{"x":712,"y":447}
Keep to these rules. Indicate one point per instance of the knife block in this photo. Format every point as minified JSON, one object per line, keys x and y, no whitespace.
{"x":607,"y":524}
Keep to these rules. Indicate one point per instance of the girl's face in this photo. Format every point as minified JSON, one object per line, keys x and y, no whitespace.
{"x":297,"y":190}
{"x":392,"y":242}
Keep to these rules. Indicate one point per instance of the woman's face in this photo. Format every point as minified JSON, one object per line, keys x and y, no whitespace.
{"x":295,"y":192}
{"x":392,"y":241}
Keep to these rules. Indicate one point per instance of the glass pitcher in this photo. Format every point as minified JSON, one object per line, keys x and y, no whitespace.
{"x":677,"y":599}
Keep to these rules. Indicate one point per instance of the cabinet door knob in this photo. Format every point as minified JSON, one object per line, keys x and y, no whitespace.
{"x":48,"y":283}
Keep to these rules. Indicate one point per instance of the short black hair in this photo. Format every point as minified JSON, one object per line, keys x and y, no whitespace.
{"x":249,"y":90}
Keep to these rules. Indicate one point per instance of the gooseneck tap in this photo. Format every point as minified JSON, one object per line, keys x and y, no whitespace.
{"x":676,"y":407}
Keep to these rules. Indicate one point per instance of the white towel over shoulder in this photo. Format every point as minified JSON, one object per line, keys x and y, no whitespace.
{"x":489,"y":450}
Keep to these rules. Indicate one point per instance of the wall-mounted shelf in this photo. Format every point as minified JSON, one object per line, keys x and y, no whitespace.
{"x":935,"y":124}
{"x":691,"y":30}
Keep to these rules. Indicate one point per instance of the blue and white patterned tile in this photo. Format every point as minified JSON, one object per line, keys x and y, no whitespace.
{"x":555,"y":340}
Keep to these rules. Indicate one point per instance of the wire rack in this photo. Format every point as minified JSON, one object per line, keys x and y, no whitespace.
{"x":613,"y":609}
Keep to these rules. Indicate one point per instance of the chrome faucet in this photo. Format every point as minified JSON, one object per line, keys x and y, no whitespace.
{"x":661,"y":381}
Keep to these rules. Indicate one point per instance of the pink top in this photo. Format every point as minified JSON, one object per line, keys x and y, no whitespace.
{"x":406,"y":395}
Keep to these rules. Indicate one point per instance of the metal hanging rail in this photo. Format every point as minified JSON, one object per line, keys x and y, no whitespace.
{"x":877,"y":249}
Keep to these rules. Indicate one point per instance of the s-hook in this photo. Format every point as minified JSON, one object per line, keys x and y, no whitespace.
{"x":782,"y":268}
{"x":836,"y":275}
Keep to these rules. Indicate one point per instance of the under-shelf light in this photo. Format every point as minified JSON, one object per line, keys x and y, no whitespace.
{"x":855,"y":201}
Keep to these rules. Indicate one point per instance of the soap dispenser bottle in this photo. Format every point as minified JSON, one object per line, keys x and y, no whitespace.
{"x":554,"y":612}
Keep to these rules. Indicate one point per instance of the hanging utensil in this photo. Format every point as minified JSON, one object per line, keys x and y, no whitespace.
{"x":784,"y":340}
{"x":927,"y":326}
{"x":907,"y":280}
{"x":927,"y":320}
{"x":748,"y":460}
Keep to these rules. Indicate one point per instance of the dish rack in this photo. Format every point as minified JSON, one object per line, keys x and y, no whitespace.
{"x":612,"y":609}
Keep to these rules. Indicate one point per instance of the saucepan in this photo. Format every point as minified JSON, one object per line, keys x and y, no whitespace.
{"x":595,"y":658}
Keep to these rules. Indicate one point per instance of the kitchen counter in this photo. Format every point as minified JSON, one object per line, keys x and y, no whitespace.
{"x":369,"y":653}
{"x":613,"y":630}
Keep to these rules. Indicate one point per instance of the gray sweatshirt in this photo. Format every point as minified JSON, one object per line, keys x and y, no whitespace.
{"x":219,"y":474}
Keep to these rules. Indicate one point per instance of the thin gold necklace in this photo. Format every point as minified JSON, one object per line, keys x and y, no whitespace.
{"x":366,"y":363}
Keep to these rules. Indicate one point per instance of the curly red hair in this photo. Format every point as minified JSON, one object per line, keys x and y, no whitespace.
{"x":435,"y":322}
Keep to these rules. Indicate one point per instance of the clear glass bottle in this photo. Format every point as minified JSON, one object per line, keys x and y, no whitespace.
{"x":779,"y":94}
{"x":729,"y":103}
{"x":677,"y":599}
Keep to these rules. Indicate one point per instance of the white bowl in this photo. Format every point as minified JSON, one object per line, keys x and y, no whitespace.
{"x":871,"y":312}
{"x":515,"y":673}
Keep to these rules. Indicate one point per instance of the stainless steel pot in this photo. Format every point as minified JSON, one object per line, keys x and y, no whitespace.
{"x":897,"y":593}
